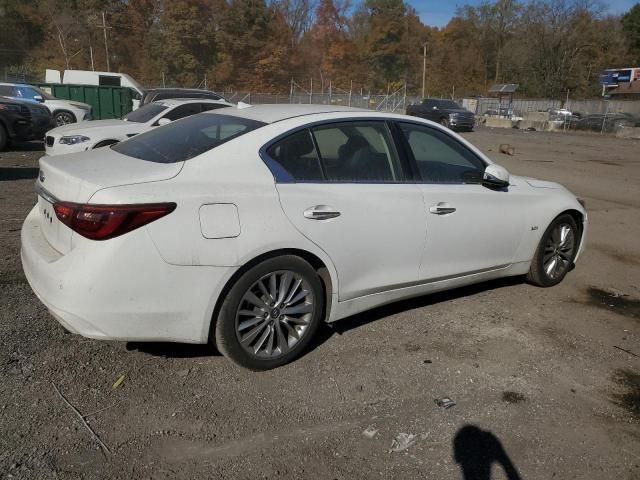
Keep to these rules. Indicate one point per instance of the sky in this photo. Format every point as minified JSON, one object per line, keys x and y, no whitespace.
{"x":439,"y":12}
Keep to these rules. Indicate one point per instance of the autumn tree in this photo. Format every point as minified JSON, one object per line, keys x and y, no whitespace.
{"x":631,"y":29}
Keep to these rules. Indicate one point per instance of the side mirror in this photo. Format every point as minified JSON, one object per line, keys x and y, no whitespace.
{"x":434,"y":108}
{"x":38,"y":98}
{"x":164,"y":121}
{"x":495,"y":176}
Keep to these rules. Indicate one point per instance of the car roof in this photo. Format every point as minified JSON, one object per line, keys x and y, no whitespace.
{"x":172,"y":102}
{"x":167,"y":89}
{"x":270,"y":113}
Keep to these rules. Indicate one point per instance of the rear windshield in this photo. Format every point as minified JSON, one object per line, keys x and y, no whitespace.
{"x":186,"y":138}
{"x":145,"y":113}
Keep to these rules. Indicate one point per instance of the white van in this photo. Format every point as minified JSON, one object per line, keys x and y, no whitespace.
{"x":90,"y":77}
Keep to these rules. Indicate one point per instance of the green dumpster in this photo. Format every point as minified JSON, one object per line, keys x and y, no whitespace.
{"x":107,"y":102}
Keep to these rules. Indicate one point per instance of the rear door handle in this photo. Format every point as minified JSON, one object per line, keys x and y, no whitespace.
{"x":442,"y":208}
{"x":321,"y":212}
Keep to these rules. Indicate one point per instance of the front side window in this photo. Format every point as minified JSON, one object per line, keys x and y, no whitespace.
{"x":441,"y":158}
{"x":146,"y":113}
{"x":187,"y":138}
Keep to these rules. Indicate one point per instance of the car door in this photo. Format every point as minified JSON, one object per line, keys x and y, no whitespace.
{"x":342,"y":186}
{"x":470,"y":228}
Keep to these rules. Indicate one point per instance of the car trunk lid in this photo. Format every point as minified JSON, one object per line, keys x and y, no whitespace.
{"x":77,"y":177}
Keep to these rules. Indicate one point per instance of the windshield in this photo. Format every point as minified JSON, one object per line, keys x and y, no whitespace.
{"x":145,"y":114}
{"x":44,"y":94}
{"x":186,"y":138}
{"x":448,"y":104}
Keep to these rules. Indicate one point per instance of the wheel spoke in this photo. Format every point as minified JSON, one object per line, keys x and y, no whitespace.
{"x":273,"y":288}
{"x":297,"y":321}
{"x":246,"y":340}
{"x":285,"y":282}
{"x":272,"y":336}
{"x":293,"y":290}
{"x":265,"y":334}
{"x":551,"y":266}
{"x":298,"y":297}
{"x":283,"y":342}
{"x":264,"y":290}
{"x":258,"y":302}
{"x":292,"y":331}
{"x":302,"y":308}
{"x":249,"y":323}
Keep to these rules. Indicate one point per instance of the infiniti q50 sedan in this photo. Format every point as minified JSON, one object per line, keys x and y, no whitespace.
{"x":248,"y":227}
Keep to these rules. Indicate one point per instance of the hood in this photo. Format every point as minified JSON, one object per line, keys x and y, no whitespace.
{"x":86,"y":127}
{"x":61,"y":103}
{"x":535,"y":183}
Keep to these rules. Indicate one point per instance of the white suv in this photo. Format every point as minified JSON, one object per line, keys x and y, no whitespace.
{"x":63,"y":111}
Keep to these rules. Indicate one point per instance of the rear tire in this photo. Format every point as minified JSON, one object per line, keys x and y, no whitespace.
{"x":555,"y":253}
{"x":270,"y":314}
{"x":4,"y":138}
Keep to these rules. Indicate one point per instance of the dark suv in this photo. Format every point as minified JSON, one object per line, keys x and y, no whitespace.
{"x":22,"y":121}
{"x":445,"y":112}
{"x":155,"y":94}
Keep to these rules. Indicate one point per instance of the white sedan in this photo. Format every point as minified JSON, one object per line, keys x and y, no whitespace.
{"x":248,"y":227}
{"x":101,"y":133}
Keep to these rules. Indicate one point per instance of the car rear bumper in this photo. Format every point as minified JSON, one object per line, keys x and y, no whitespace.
{"x":121,"y":289}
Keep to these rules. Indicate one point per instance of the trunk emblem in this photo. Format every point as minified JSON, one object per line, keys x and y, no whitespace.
{"x":41,"y":176}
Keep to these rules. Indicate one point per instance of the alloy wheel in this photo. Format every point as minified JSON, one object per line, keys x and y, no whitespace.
{"x":64,"y":119}
{"x":558,"y":251}
{"x":274,"y":314}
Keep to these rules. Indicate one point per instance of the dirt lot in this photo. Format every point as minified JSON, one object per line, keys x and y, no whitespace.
{"x":541,"y":381}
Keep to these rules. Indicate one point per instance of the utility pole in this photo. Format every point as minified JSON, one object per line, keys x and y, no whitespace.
{"x":91,"y":54}
{"x":424,"y":66}
{"x":106,"y":47}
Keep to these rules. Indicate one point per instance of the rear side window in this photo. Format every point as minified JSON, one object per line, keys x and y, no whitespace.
{"x":295,"y":158}
{"x":7,"y":91}
{"x":357,"y":152}
{"x":212,"y":106}
{"x":183,"y":111}
{"x":441,"y":158}
{"x":187,"y":138}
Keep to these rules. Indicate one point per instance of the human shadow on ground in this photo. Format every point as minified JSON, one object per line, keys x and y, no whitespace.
{"x":476,"y":450}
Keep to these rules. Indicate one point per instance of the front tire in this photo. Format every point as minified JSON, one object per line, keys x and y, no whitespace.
{"x":444,"y":122}
{"x":270,"y":314}
{"x":555,"y":253}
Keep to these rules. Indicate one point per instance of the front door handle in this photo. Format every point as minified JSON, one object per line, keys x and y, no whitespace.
{"x":442,"y":208}
{"x":321,"y":212}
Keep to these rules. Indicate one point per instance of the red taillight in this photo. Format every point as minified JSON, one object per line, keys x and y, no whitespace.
{"x":101,"y":222}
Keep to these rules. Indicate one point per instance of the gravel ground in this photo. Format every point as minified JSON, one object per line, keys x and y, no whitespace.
{"x":541,"y":378}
